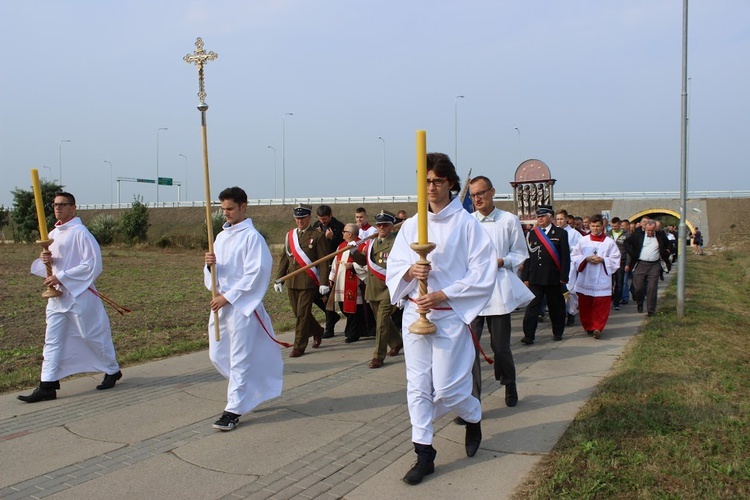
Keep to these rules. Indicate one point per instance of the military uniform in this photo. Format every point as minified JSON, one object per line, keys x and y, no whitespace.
{"x":302,"y":288}
{"x":377,"y":294}
{"x":545,"y":279}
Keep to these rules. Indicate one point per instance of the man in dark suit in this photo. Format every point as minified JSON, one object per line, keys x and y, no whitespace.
{"x":303,"y":246}
{"x":647,"y":248}
{"x":333,"y":230}
{"x":546,"y":272}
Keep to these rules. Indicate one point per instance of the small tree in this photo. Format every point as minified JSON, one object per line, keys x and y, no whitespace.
{"x":134,"y":222}
{"x":24,"y":210}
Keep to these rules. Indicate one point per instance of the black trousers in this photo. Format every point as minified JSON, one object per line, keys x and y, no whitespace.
{"x":331,"y":316}
{"x":505,"y":368}
{"x":555,"y":306}
{"x":617,"y":282}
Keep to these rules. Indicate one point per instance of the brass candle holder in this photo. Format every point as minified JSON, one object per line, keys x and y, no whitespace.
{"x":51,"y":291}
{"x":423,"y":326}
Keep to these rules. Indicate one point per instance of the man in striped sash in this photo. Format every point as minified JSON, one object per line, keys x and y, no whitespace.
{"x":302,"y":246}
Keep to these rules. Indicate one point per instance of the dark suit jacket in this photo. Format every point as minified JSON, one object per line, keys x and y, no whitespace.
{"x":539,"y":268}
{"x":634,"y":245}
{"x":315,"y":246}
{"x":338,"y":233}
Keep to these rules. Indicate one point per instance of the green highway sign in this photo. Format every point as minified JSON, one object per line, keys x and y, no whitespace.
{"x":165,"y":181}
{"x":150,"y":181}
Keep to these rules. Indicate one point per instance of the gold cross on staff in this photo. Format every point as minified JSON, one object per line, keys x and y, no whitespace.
{"x":200,"y":57}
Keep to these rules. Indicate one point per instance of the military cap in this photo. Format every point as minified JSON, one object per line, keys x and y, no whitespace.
{"x":302,"y":210}
{"x":544,"y":210}
{"x":385,"y":217}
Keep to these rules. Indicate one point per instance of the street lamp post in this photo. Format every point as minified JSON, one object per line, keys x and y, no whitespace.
{"x":157,"y":163}
{"x":283,"y":157}
{"x":50,"y":172}
{"x":186,"y":174}
{"x":274,"y":169}
{"x":455,"y":130}
{"x":111,"y":194}
{"x":520,"y":158}
{"x":60,"y":157}
{"x":383,"y":163}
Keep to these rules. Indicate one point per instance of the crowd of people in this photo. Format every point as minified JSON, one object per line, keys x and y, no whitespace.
{"x":484,"y":266}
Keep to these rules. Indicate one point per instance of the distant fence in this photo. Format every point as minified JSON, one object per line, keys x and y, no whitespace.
{"x":375,"y":200}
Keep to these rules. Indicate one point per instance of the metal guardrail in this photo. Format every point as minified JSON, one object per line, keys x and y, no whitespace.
{"x":374,"y":200}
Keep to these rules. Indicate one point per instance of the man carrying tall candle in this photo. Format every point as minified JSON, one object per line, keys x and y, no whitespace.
{"x":461,"y":278}
{"x":78,"y":337}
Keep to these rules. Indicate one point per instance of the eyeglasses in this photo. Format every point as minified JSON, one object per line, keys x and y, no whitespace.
{"x":436,"y":182}
{"x":480,"y":193}
{"x":345,"y":231}
{"x":58,"y":205}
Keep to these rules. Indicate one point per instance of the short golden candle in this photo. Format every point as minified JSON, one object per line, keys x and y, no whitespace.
{"x":422,"y":186}
{"x":39,"y":204}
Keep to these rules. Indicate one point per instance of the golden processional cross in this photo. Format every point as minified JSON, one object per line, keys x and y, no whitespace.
{"x":199,"y":58}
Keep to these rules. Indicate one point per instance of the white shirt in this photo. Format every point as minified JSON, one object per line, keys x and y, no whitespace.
{"x":650,"y":249}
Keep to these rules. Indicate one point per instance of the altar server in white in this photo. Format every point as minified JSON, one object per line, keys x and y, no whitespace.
{"x":461,"y":278}
{"x":78,"y":337}
{"x":247,"y":353}
{"x":596,"y":258}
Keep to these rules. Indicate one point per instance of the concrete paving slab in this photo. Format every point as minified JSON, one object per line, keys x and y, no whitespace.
{"x":263,"y":442}
{"x":38,"y":453}
{"x":164,"y":476}
{"x":138,"y":422}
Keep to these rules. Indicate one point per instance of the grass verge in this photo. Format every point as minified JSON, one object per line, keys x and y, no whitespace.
{"x":671,"y":421}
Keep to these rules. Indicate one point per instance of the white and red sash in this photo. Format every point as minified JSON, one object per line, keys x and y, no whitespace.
{"x":301,"y":257}
{"x":375,"y":269}
{"x":351,"y":282}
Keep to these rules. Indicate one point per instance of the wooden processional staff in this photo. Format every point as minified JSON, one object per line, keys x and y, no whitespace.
{"x":199,"y":58}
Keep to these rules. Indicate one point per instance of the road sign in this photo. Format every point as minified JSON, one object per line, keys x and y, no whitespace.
{"x":165,"y":181}
{"x":149,"y":181}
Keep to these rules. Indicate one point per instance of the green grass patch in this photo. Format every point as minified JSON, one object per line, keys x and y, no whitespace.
{"x":671,"y":421}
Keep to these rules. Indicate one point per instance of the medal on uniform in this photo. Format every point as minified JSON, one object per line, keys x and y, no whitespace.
{"x":310,"y":244}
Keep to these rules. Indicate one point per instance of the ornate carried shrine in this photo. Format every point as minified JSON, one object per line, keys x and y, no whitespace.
{"x":533,"y":185}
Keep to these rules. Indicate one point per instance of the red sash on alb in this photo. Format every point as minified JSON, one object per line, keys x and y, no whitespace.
{"x":300,"y":257}
{"x":351,"y":284}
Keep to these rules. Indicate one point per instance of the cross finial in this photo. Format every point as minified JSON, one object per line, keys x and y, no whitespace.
{"x":199,"y":58}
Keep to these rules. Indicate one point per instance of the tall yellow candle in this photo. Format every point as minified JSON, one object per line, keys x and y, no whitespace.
{"x":422,"y":186}
{"x":39,"y":204}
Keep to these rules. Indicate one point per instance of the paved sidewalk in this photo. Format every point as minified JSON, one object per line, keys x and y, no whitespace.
{"x":338,"y":430}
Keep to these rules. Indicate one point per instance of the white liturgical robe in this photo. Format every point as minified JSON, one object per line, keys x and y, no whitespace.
{"x":438,"y":366}
{"x":595,"y":280}
{"x":246,"y":353}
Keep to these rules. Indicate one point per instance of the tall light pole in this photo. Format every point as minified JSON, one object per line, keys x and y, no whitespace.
{"x":283,"y":157}
{"x":50,"y":172}
{"x":520,"y":158}
{"x":274,"y":169}
{"x":157,"y":163}
{"x":111,"y":182}
{"x":682,"y":228}
{"x":60,"y":157}
{"x":455,"y":129}
{"x":383,"y":163}
{"x":186,"y":174}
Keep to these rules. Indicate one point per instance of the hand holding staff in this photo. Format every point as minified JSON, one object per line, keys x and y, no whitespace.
{"x":201,"y":57}
{"x":44,"y":240}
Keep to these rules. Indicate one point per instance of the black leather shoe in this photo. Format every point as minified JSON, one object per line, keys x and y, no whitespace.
{"x":511,"y":395}
{"x":473,"y":438}
{"x":45,"y":392}
{"x":557,"y":338}
{"x":640,"y":308}
{"x":571,"y":320}
{"x":424,"y":466}
{"x":459,"y":421}
{"x":109,"y":381}
{"x":328,"y":334}
{"x":527,"y":340}
{"x":349,"y":340}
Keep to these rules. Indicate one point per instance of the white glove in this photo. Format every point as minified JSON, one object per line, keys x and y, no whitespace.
{"x":278,"y":287}
{"x":401,"y":303}
{"x":352,"y":243}
{"x":324,"y":289}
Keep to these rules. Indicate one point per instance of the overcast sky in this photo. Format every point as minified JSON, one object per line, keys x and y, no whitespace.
{"x":591,"y":87}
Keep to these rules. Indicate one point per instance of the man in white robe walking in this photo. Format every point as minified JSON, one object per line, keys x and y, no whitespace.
{"x":247,"y":353}
{"x":461,"y":277}
{"x":78,"y":337}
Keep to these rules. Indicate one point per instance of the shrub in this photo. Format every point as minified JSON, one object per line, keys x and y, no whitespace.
{"x":24,"y":211}
{"x":104,"y":227}
{"x":217,"y":222}
{"x":134,"y":222}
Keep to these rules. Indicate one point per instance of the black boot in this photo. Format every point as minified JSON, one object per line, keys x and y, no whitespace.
{"x":424,"y":466}
{"x":473,"y":438}
{"x":109,"y":381}
{"x":47,"y":391}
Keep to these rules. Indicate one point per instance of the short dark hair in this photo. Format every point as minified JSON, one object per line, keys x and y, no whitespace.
{"x":482,"y":178}
{"x":564,"y":212}
{"x":615,"y":220}
{"x":324,"y":211}
{"x":596,"y":218}
{"x":68,"y":196}
{"x":360,"y":210}
{"x":441,"y":164}
{"x":236,"y":194}
{"x":625,"y":220}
